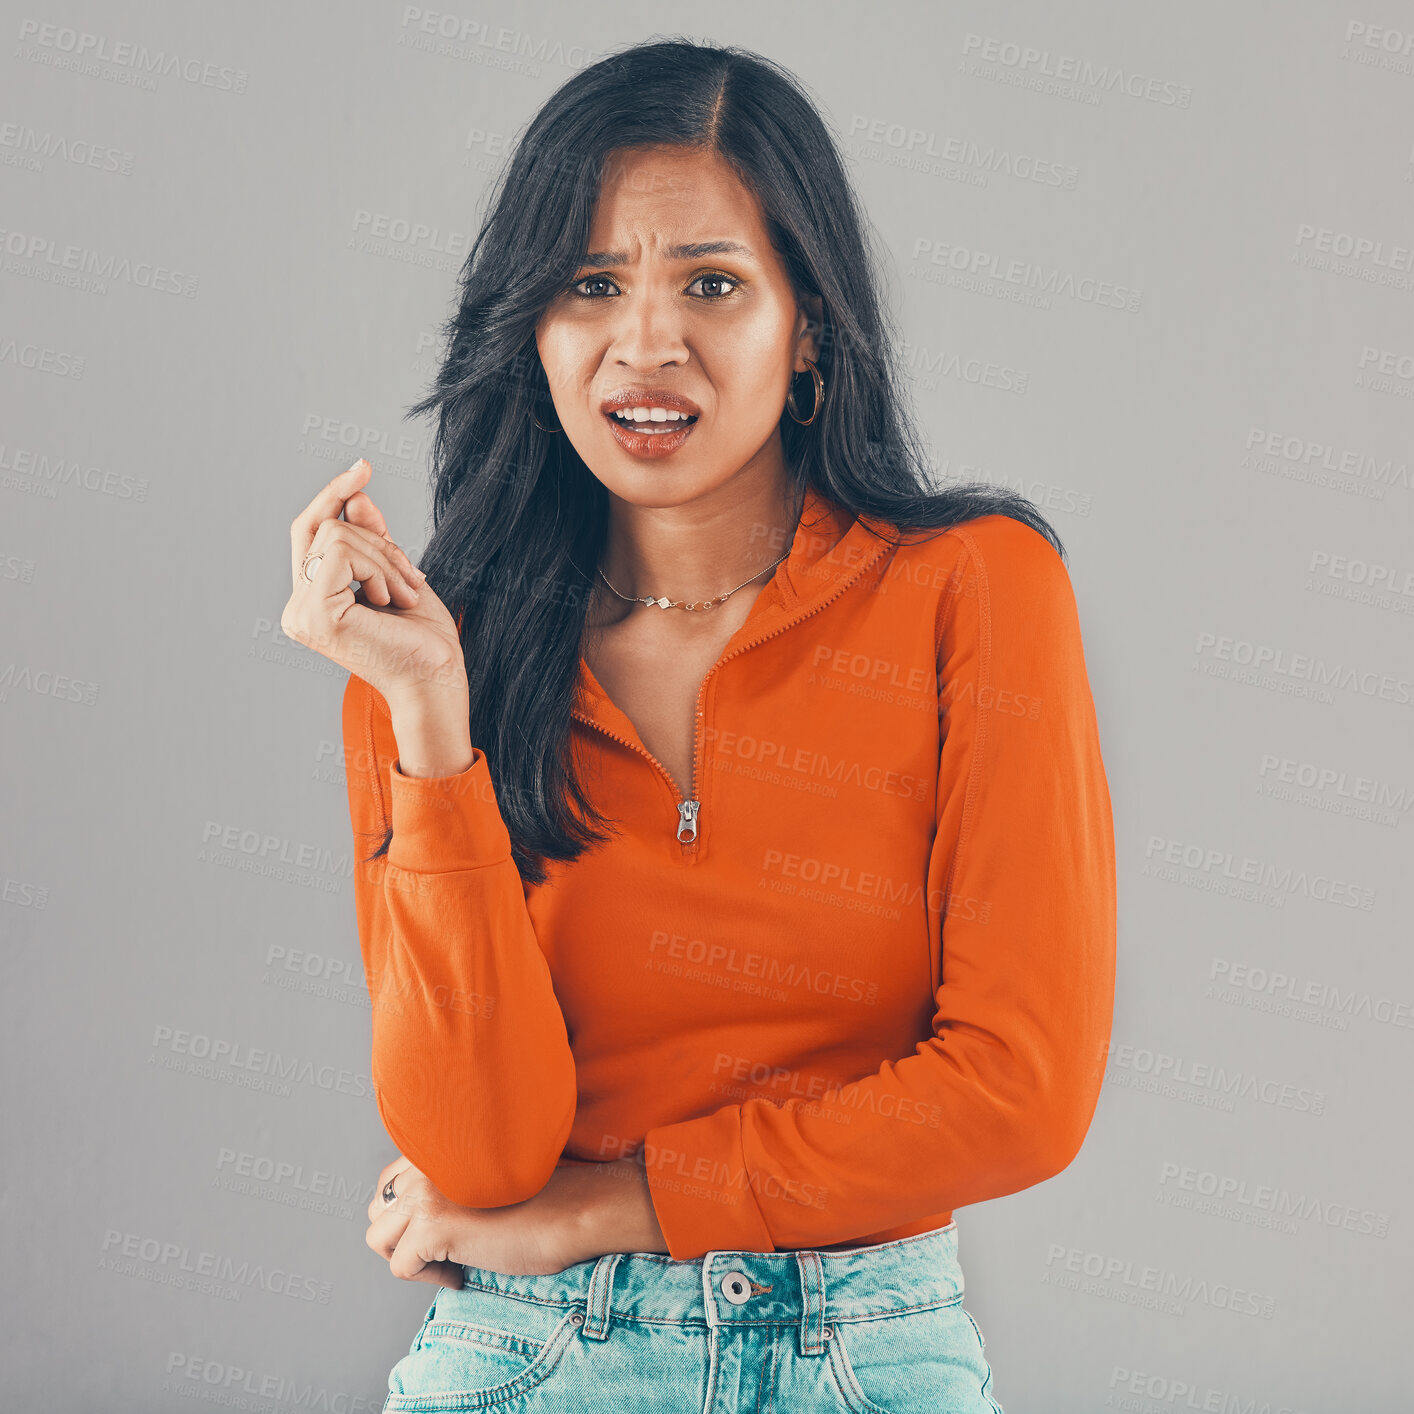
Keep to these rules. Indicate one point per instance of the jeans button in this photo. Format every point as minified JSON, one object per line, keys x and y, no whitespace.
{"x":736,"y":1287}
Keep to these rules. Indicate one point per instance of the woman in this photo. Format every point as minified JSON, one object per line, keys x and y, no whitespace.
{"x":735,"y":874}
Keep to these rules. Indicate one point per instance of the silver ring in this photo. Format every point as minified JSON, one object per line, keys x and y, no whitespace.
{"x":388,"y":1194}
{"x":304,"y":568}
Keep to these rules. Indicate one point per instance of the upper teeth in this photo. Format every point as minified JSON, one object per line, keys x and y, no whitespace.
{"x":649,"y":414}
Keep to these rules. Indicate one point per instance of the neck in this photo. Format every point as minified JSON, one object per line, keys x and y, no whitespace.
{"x":700,"y":549}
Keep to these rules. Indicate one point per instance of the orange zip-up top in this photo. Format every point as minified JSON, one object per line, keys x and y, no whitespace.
{"x":862,"y":976}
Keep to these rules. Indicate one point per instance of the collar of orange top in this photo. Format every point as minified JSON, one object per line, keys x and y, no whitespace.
{"x":830,"y":546}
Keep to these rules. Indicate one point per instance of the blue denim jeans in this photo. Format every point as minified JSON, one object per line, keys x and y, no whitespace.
{"x":862,"y":1330}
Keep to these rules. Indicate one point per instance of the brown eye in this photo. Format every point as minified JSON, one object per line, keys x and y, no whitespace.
{"x":716,"y":281}
{"x":589,"y":280}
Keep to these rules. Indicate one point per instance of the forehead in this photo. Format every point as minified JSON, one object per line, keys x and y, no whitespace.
{"x":662,"y":196}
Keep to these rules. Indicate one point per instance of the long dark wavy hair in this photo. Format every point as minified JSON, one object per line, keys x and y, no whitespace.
{"x":518,"y":519}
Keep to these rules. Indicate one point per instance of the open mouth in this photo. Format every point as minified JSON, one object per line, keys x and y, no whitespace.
{"x":651,"y":432}
{"x":657,"y":421}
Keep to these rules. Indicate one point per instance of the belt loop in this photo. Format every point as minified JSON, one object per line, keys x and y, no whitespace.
{"x":601,"y":1286}
{"x":709,"y":1297}
{"x":811,"y":1338}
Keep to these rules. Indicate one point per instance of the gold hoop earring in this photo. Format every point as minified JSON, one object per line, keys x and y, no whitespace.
{"x":819,"y":396}
{"x":540,"y":425}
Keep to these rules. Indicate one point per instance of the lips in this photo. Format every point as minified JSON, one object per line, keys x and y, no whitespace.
{"x":650,"y":439}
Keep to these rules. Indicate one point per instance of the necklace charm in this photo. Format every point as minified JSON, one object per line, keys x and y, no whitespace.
{"x":665,"y":603}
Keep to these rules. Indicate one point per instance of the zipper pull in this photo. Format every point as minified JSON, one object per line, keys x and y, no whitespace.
{"x":687,"y":820}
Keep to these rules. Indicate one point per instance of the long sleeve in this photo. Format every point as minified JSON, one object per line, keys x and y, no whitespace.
{"x":1022,"y":917}
{"x":471,"y":1063}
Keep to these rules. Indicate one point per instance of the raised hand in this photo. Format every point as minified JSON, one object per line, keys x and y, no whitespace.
{"x":393,"y":631}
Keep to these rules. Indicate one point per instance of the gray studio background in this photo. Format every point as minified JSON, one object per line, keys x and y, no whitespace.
{"x":1154,"y":268}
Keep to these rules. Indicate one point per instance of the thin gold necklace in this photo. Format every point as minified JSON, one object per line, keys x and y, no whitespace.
{"x":661,"y":602}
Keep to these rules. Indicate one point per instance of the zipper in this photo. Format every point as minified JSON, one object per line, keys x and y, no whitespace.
{"x":688,"y":807}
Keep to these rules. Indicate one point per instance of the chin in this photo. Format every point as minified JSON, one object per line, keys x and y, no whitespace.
{"x":653,"y":488}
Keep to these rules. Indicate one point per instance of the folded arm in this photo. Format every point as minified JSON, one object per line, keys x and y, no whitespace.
{"x":471,"y":1062}
{"x":1021,"y":892}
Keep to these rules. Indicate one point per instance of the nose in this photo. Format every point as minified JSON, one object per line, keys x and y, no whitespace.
{"x":649,"y":331}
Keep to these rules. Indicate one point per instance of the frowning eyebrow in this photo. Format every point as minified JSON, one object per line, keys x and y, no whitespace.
{"x":675,"y":252}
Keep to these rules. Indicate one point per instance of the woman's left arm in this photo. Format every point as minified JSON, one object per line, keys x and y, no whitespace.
{"x":1021,"y":911}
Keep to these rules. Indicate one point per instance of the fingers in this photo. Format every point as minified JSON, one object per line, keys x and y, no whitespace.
{"x":359,"y":510}
{"x":386,"y":1230}
{"x":344,"y":494}
{"x":315,"y":613}
{"x":346,"y":558}
{"x":399,"y":1240}
{"x":377,"y":1204}
{"x":404,"y":1258}
{"x":412,"y":1248}
{"x":395,"y":574}
{"x":438,"y":1273}
{"x":365,"y":518}
{"x":325,"y":506}
{"x":411,"y":1260}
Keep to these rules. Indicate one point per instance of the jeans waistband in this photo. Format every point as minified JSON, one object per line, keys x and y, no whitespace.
{"x":806,"y":1288}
